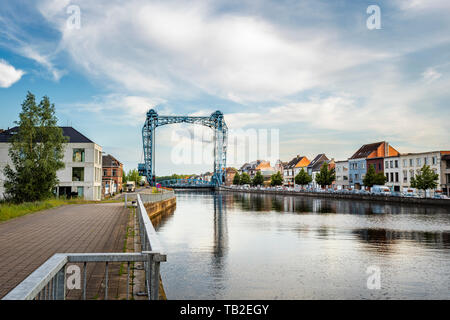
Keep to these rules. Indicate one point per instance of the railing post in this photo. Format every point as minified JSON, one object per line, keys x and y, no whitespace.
{"x":155,"y":280}
{"x":61,"y":284}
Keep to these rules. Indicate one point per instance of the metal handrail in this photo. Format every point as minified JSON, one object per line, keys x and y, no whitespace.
{"x":49,"y":280}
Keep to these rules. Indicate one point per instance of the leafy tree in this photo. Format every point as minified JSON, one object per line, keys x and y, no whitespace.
{"x":36,"y":152}
{"x":276,"y":179}
{"x":124,"y":176}
{"x":133,"y":175}
{"x":372,"y":178}
{"x":245,"y":178}
{"x":237,"y":179}
{"x":325,"y":177}
{"x":426,"y":179}
{"x":303,"y":178}
{"x":258,"y":179}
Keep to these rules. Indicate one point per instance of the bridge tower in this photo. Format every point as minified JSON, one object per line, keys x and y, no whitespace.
{"x":215,"y":121}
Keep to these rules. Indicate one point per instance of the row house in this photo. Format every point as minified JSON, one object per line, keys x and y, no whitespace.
{"x":112,"y":178}
{"x":292,"y":168}
{"x":81,"y":177}
{"x":314,"y":167}
{"x":369,"y":154}
{"x":279,"y":166}
{"x":341,"y":169}
{"x":400,"y":169}
{"x":252,"y":167}
{"x":229,"y":175}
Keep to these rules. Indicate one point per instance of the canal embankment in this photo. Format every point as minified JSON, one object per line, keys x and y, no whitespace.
{"x":346,"y":196}
{"x":156,"y":212}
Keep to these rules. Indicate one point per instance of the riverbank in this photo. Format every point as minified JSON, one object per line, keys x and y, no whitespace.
{"x":156,"y":211}
{"x":358,"y":197}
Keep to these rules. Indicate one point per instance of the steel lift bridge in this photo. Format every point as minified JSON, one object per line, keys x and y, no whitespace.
{"x":215,"y":121}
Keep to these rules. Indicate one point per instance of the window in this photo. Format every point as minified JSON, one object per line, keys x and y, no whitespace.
{"x":448,"y":164}
{"x":78,"y":155}
{"x":105,"y":173}
{"x":114,"y":173}
{"x":396,"y":163}
{"x":434,"y":160}
{"x":392,"y":177}
{"x":405,"y":163}
{"x":411,"y":162}
{"x":405,"y":176}
{"x":418,"y":160}
{"x":379,"y":166}
{"x":391,"y":163}
{"x":396,"y":177}
{"x":386,"y":164}
{"x":77,"y":174}
{"x":425,"y":160}
{"x":387,"y":177}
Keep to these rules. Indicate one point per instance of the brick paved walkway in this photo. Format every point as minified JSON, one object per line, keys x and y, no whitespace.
{"x":28,"y":241}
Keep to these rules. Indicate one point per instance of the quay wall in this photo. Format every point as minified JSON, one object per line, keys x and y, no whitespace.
{"x":359,"y":197}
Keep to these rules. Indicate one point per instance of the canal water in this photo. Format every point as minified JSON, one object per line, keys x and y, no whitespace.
{"x":253,"y":246}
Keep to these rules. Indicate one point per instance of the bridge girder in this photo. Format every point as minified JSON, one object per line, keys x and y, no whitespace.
{"x":215,"y":121}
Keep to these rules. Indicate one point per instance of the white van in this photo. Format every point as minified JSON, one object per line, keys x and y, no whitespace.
{"x":384,"y":190}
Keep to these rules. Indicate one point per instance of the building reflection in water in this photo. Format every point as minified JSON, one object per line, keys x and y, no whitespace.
{"x":380,"y":231}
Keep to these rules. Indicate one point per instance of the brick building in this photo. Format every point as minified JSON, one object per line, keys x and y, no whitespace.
{"x":112,"y":176}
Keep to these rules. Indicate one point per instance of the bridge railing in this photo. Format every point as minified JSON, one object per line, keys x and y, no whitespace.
{"x":49,"y":281}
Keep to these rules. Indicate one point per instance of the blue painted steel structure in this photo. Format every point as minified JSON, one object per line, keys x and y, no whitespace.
{"x":186,"y":183}
{"x":215,"y":121}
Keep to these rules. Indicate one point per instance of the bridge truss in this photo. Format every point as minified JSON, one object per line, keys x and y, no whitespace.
{"x":215,"y":121}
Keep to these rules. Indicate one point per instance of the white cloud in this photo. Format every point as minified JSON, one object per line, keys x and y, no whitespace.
{"x":8,"y":74}
{"x":174,"y":49}
{"x":118,"y":108}
{"x":431,"y":75}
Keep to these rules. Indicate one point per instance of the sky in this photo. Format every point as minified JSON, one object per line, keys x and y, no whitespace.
{"x":312,"y":71}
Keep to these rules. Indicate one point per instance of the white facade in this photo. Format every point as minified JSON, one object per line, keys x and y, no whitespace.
{"x":394,"y":173}
{"x":399,"y":170}
{"x":82,"y":175}
{"x":341,"y":169}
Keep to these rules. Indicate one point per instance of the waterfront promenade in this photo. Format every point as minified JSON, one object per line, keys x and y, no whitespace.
{"x":27,"y":242}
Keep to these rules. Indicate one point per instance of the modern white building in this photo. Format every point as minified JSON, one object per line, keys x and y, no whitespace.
{"x":82,"y":175}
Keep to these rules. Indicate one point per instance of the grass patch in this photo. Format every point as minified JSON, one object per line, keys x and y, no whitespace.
{"x":13,"y":210}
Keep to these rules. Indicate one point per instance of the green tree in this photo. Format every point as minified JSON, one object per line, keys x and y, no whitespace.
{"x":258,"y":179}
{"x":425,"y":179}
{"x":276,"y":179}
{"x":245,"y":178}
{"x":325,"y":177}
{"x":303,"y":178}
{"x":124,"y":176}
{"x":237,"y":179}
{"x":372,"y":178}
{"x":133,"y":175}
{"x":36,"y":152}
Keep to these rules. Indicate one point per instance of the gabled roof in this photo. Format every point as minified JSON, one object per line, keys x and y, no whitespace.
{"x":366,"y":150}
{"x":291,"y":164}
{"x":318,"y":161}
{"x":110,"y":161}
{"x":69,"y":132}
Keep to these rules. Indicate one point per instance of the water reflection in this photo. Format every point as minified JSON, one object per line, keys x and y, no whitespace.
{"x":220,"y":230}
{"x":250,"y":246}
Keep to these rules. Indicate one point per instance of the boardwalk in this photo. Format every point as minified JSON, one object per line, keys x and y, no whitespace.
{"x":27,"y":242}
